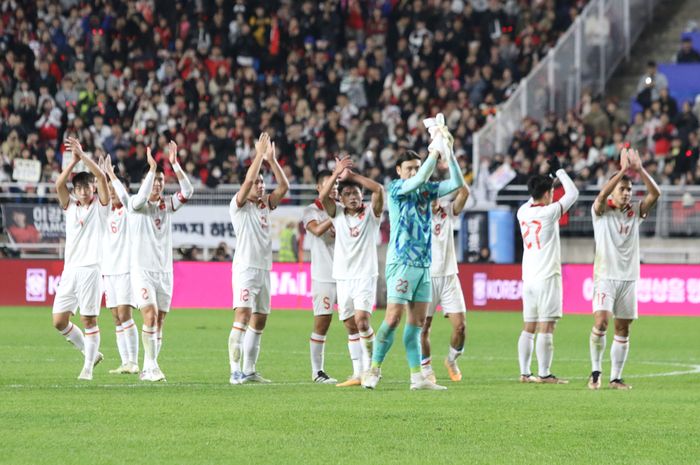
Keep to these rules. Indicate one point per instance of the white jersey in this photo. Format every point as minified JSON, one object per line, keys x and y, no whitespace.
{"x":84,"y":232}
{"x":116,"y":255}
{"x":539,"y":226}
{"x":443,"y":241}
{"x":617,"y":243}
{"x":355,"y":254}
{"x":152,"y":248}
{"x":251,"y":223}
{"x":321,"y":247}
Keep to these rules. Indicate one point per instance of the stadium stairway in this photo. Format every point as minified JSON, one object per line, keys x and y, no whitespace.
{"x":660,"y":41}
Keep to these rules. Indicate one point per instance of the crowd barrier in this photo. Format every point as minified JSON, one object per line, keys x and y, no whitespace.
{"x":663,"y":290}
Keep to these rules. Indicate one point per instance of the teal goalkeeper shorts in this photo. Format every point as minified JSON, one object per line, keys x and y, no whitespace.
{"x":406,"y":283}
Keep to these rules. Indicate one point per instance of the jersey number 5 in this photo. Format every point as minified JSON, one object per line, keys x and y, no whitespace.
{"x":537,"y":226}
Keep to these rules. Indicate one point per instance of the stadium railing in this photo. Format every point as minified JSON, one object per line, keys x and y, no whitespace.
{"x":584,"y":57}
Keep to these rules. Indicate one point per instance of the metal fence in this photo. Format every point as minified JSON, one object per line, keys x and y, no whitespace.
{"x":585,"y":57}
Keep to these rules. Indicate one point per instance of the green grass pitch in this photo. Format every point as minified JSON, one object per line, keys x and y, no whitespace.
{"x":47,"y":416}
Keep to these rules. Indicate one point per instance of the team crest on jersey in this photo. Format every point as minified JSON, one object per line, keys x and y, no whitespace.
{"x":161,"y":205}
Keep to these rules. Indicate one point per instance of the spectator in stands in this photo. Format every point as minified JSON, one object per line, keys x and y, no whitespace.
{"x":650,"y":84}
{"x":222,"y":253}
{"x":687,"y":54}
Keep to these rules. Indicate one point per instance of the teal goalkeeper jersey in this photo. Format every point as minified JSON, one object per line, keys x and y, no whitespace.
{"x":410,"y":218}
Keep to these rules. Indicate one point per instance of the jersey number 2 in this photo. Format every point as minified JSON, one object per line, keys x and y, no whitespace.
{"x":529,"y":226}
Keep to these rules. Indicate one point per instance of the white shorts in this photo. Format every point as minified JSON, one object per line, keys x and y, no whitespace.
{"x":542,"y":300}
{"x":618,"y":297}
{"x":152,"y":288}
{"x":447,"y":292}
{"x":251,"y":289}
{"x":79,"y":288}
{"x":324,"y":296}
{"x":356,"y":294}
{"x":118,"y":290}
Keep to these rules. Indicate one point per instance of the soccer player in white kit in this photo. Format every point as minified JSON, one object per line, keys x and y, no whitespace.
{"x":116,"y":267}
{"x":80,"y":281}
{"x":616,"y":221}
{"x":321,"y":239}
{"x":541,"y":271}
{"x":355,"y":266}
{"x":152,"y":254}
{"x":252,"y":261}
{"x":447,"y":291}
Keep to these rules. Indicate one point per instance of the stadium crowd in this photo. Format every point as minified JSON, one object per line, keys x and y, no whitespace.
{"x":324,"y":78}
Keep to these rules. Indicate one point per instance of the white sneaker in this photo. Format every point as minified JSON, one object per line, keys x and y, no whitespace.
{"x":85,"y":374}
{"x":426,"y":384}
{"x":98,"y":358}
{"x":323,"y":378}
{"x":370,"y":378}
{"x":254,"y":378}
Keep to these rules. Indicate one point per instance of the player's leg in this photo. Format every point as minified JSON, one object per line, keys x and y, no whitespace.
{"x":256,"y":325}
{"x":89,"y":295}
{"x":64,"y":306}
{"x":455,"y":309}
{"x":164,"y":297}
{"x":354,"y":346}
{"x":526,"y":341}
{"x":159,"y":334}
{"x":397,"y":301}
{"x":244,"y":288}
{"x":131,"y":337}
{"x":121,"y":344}
{"x":549,"y":311}
{"x":415,"y":319}
{"x":604,"y":294}
{"x":426,"y":358}
{"x":144,"y":288}
{"x":323,"y":297}
{"x":618,"y":353}
{"x":364,"y":296}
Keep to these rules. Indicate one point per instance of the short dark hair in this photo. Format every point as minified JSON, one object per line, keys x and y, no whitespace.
{"x":83,"y":178}
{"x":345,"y":184}
{"x":247,"y":168}
{"x":408,"y":155}
{"x":539,"y":185}
{"x":624,"y":177}
{"x":147,"y":168}
{"x":322,"y":174}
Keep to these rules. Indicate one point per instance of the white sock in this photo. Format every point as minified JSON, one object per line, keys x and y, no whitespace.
{"x":526,"y":342}
{"x":597,"y":346}
{"x":618,"y":356}
{"x":453,"y":354}
{"x":367,"y":345}
{"x":121,"y":344}
{"x":235,"y":353}
{"x":251,"y":349}
{"x":425,"y":365}
{"x":92,"y":345}
{"x":74,"y":335}
{"x":159,"y":341}
{"x":131,"y":337}
{"x":317,"y":344}
{"x":355,"y":354}
{"x":148,"y":338}
{"x":545,"y":353}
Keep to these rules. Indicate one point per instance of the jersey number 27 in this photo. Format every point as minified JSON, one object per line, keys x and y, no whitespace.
{"x":526,"y":228}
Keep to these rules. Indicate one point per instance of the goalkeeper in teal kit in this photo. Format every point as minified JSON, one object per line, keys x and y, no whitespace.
{"x":408,"y":259}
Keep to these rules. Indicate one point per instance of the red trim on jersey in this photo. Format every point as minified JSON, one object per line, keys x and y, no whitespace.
{"x":318,"y":204}
{"x":611,"y":204}
{"x":538,"y":205}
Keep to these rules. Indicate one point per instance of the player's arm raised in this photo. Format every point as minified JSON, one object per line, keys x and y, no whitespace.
{"x":116,"y":183}
{"x":325,"y":194}
{"x":374,"y":187}
{"x":601,"y":201}
{"x":62,"y":180}
{"x":102,"y":189}
{"x":456,"y":179}
{"x":141,"y":197}
{"x":570,"y":190}
{"x":461,"y":200}
{"x":260,"y":148}
{"x":423,"y":174}
{"x":180,"y":198}
{"x":280,"y":191}
{"x":653,"y":190}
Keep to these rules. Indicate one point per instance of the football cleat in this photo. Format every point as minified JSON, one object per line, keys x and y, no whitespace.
{"x":157,"y":375}
{"x":370,"y":378}
{"x":351,"y":381}
{"x":528,"y":378}
{"x":594,"y":380}
{"x":323,"y":378}
{"x":122,"y":369}
{"x":98,"y":358}
{"x":620,"y":384}
{"x":551,"y":379}
{"x":254,"y":378}
{"x":452,"y":370}
{"x":427,"y":385}
{"x":236,"y":377}
{"x":428,"y":373}
{"x":85,"y":374}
